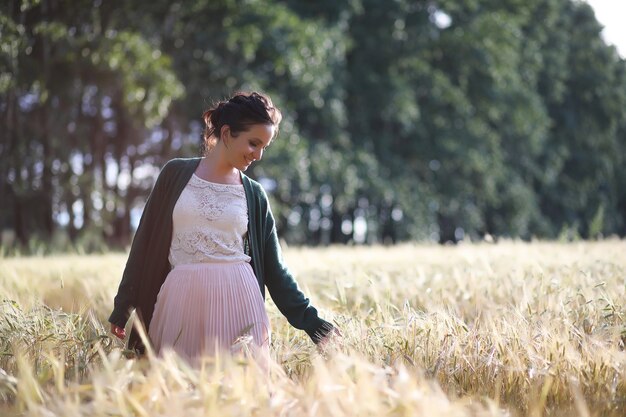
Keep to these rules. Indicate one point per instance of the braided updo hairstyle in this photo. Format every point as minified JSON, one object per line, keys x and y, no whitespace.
{"x":239,"y":112}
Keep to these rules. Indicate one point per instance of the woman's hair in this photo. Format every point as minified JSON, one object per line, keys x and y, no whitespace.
{"x":239,"y":112}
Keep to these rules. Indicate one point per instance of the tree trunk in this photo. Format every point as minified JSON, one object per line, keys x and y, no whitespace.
{"x":46,"y":137}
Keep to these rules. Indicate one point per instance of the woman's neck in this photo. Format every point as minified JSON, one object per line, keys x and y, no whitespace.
{"x":214,"y":168}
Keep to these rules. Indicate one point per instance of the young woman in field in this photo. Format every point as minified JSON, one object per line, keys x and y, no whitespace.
{"x":206,"y":246}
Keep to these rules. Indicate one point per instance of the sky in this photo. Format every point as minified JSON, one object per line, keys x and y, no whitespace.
{"x":611,"y":14}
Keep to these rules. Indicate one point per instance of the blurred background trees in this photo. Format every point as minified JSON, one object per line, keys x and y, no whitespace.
{"x":430,"y":120}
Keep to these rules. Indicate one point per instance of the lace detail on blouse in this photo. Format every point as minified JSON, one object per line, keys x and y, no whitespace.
{"x":210,"y":221}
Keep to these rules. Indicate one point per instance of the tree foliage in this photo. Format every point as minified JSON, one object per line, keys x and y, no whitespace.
{"x":403,"y":120}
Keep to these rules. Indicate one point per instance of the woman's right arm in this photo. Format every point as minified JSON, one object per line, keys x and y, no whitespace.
{"x":124,"y":301}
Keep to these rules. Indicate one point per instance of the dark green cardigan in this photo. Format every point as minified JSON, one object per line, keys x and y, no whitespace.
{"x":148,"y":264}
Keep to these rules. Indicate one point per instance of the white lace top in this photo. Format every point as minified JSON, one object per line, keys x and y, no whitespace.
{"x":210,"y":220}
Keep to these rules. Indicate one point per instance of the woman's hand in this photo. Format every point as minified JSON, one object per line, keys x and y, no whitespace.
{"x":331,"y":336}
{"x":118,"y":331}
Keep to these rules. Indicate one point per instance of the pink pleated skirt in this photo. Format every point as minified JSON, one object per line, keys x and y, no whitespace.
{"x":209,"y":307}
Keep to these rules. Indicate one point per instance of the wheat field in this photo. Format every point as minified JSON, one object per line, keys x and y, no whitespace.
{"x":507,"y":329}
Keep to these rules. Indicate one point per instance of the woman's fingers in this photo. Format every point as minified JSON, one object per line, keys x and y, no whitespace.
{"x":331,"y":336}
{"x":118,"y":331}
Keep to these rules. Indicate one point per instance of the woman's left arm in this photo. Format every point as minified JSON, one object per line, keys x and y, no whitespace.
{"x":284,"y":290}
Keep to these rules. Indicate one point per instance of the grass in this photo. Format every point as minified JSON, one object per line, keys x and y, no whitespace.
{"x":512,"y":329}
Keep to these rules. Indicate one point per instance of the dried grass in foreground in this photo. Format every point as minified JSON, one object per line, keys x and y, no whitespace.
{"x":507,"y":329}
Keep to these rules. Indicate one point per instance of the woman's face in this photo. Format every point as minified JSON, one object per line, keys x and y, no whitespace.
{"x":247,"y":147}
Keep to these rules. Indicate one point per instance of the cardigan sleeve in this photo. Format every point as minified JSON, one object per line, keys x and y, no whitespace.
{"x":125,"y":299}
{"x":284,"y":290}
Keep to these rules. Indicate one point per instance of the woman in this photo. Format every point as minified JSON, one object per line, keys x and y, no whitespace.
{"x":206,"y":246}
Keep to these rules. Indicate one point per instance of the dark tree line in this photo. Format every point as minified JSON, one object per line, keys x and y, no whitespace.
{"x":404,"y":120}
